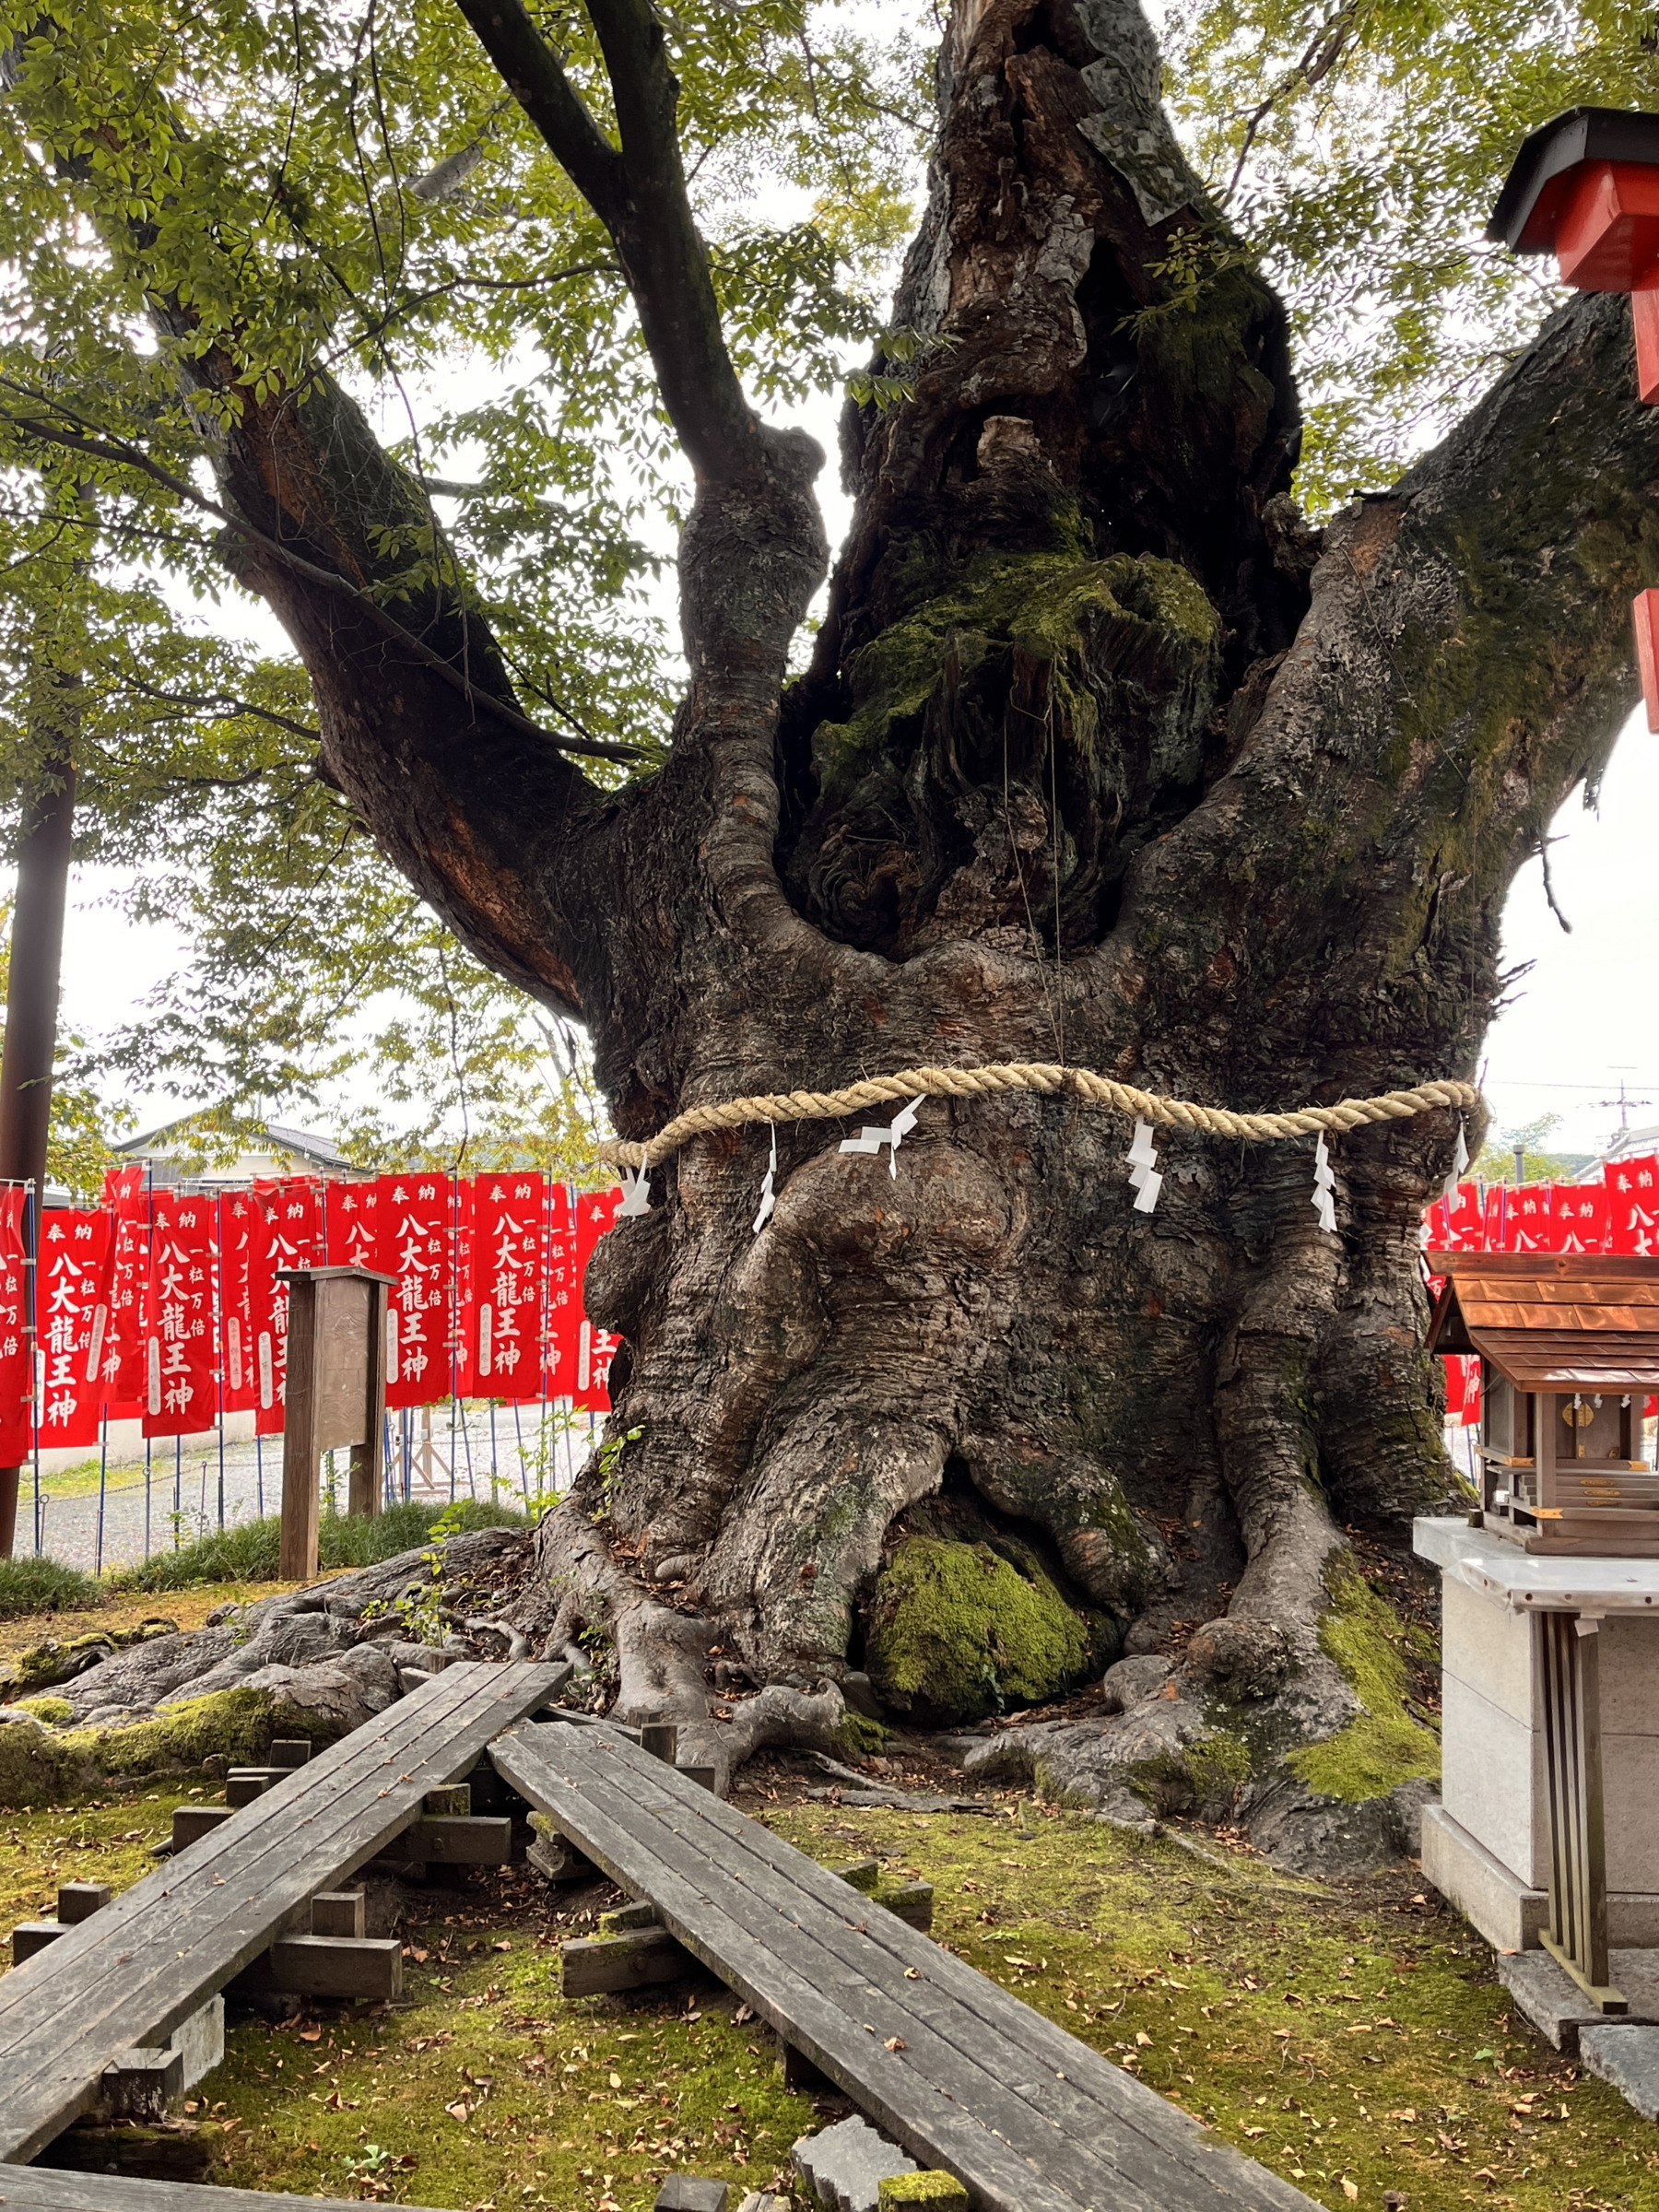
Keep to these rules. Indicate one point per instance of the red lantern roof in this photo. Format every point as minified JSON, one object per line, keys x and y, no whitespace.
{"x":1542,"y":176}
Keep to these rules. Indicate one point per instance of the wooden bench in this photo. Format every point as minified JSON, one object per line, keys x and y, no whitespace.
{"x":960,"y":2073}
{"x":130,"y":1973}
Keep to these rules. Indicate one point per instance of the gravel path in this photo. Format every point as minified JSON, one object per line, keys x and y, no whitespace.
{"x":142,"y":1506}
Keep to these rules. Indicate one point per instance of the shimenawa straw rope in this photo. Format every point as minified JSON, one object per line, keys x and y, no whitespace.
{"x":1041,"y":1076}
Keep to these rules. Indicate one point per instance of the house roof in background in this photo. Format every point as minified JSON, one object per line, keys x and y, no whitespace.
{"x":303,"y":1144}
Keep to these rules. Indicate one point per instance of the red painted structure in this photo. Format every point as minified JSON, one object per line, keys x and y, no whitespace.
{"x":1585,"y":188}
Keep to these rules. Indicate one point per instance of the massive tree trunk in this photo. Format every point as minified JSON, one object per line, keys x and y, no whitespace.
{"x":1104,"y":758}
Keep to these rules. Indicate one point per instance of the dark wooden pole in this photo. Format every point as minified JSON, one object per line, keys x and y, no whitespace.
{"x":32,"y":1007}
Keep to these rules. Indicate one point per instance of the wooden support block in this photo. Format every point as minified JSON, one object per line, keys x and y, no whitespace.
{"x":593,"y":1966}
{"x":463,"y":1841}
{"x":244,"y":1784}
{"x":454,"y":1800}
{"x":704,"y":1777}
{"x":191,"y":1822}
{"x":141,"y":2084}
{"x":661,"y":1739}
{"x":913,"y":1901}
{"x":79,"y":1900}
{"x":337,"y":1966}
{"x":863,"y":1874}
{"x":642,"y":1915}
{"x":31,"y":1936}
{"x":290,"y":1751}
{"x":339,"y":1913}
{"x":798,"y":2071}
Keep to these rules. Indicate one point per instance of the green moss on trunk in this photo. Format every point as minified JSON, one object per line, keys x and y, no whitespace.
{"x":958,"y":1630}
{"x":1384,"y":1746}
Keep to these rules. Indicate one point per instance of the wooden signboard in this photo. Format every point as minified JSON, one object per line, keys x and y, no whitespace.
{"x":336,"y":1396}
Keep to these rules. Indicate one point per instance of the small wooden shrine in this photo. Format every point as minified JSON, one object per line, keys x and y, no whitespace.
{"x":1568,"y":1350}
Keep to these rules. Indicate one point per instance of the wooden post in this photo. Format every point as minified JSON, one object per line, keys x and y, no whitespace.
{"x":336,"y":1394}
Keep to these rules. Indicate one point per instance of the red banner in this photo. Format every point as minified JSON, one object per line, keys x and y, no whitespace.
{"x":17,"y":1383}
{"x":508,"y":1264}
{"x":597,"y":1213}
{"x":1527,"y":1227}
{"x":1633,"y":1188}
{"x":564,"y":1296}
{"x":464,"y":1309}
{"x":352,"y":1217}
{"x":415,"y":1247}
{"x":70,"y":1342}
{"x":1578,"y":1218}
{"x":181,"y":1393}
{"x":128,"y":1273}
{"x":1464,"y":1218}
{"x":244,"y":1299}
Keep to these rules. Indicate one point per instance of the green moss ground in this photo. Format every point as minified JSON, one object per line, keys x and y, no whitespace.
{"x":1338,"y":2038}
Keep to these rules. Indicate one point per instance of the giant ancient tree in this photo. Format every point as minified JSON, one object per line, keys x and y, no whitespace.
{"x":1103,"y":758}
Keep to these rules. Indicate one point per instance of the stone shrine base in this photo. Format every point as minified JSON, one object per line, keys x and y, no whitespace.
{"x":1494,"y":1900}
{"x":1624,"y":2052}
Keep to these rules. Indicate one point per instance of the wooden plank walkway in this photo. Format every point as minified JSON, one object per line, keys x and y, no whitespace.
{"x":50,"y":2189}
{"x":132,"y":1972}
{"x":1027,"y":2117}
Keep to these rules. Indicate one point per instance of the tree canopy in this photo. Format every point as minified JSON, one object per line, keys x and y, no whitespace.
{"x":275,"y":194}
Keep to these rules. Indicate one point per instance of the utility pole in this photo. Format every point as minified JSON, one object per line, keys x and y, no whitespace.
{"x":31,"y":997}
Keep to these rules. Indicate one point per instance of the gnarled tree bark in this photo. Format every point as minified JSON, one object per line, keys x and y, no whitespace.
{"x":1104,"y":756}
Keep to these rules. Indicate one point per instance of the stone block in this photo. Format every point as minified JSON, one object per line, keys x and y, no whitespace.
{"x":1628,"y":1668}
{"x":1627,"y":2057}
{"x":1558,"y":2008}
{"x":844,"y":2167}
{"x":1507,"y":1911}
{"x":690,"y":2193}
{"x":1489,"y":1648}
{"x":1492,"y":1780}
{"x":1629,"y":1792}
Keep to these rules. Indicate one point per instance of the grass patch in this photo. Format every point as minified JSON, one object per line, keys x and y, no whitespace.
{"x":1348,"y":2041}
{"x":248,"y":1551}
{"x":187,"y":1609}
{"x":44,"y":1586}
{"x":490,"y":2088}
{"x":1384,"y":1746}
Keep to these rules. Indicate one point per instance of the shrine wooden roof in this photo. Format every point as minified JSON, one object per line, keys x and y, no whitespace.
{"x":1552,"y":1320}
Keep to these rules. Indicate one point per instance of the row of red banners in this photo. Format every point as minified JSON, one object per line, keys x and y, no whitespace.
{"x":170,"y":1308}
{"x":1621,"y":1214}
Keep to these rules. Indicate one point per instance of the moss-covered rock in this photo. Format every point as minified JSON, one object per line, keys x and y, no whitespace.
{"x":941,"y":2190}
{"x":1384,"y":1746}
{"x":958,"y":1630}
{"x":44,"y":1765}
{"x":52,"y":1713}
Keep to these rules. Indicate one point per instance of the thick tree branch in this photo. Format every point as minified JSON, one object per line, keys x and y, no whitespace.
{"x":104,"y":445}
{"x":639,"y":195}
